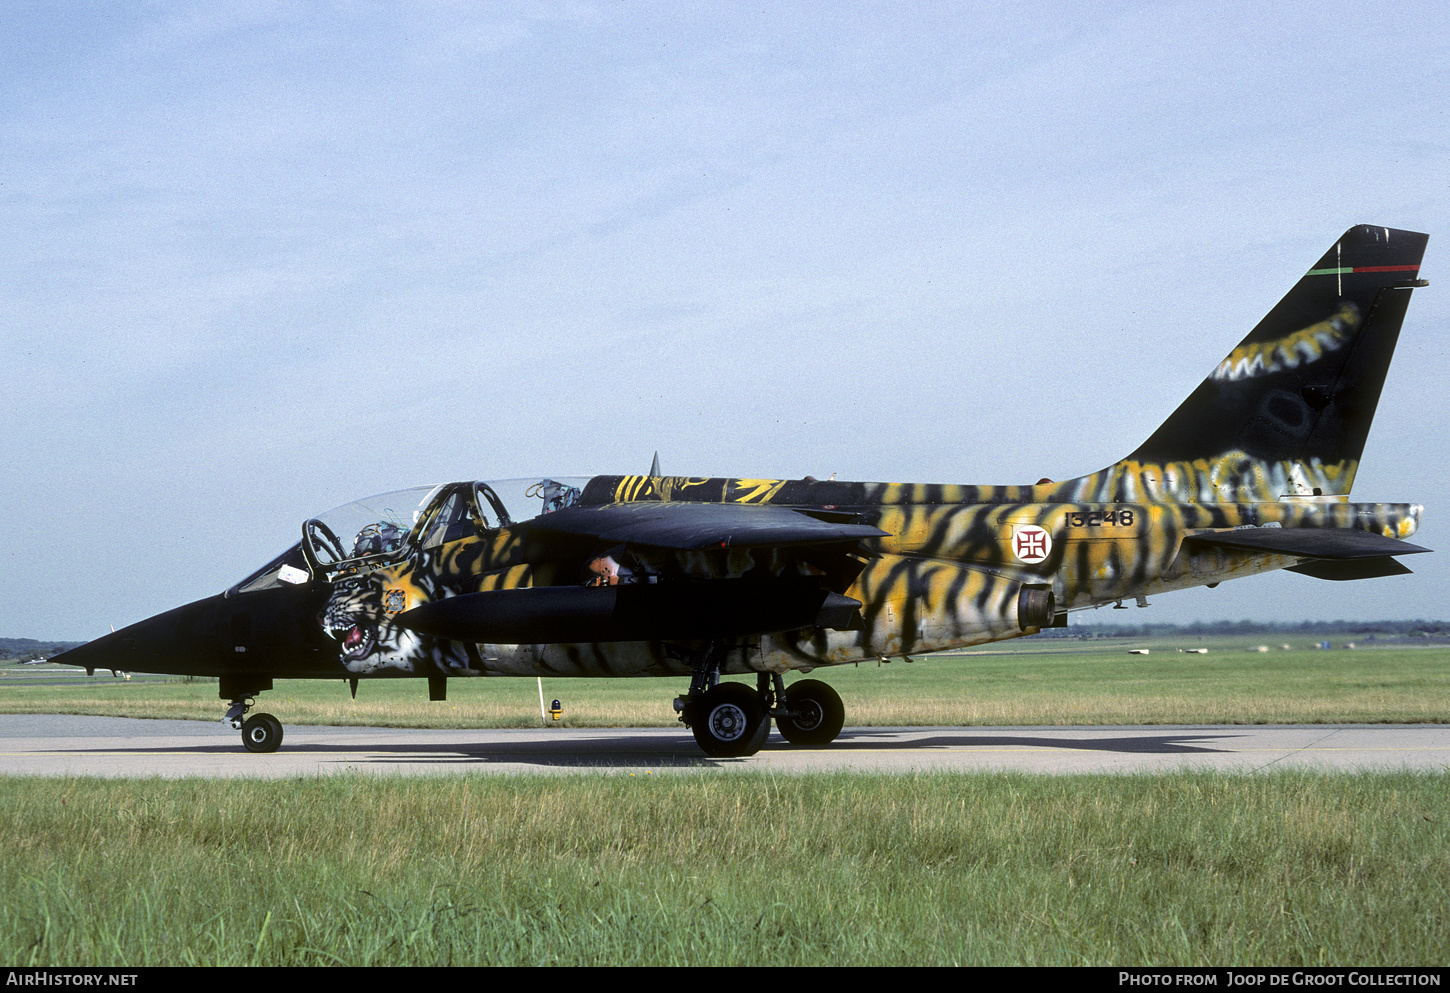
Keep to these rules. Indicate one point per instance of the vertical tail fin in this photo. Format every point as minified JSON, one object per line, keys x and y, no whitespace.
{"x":1286,"y":413}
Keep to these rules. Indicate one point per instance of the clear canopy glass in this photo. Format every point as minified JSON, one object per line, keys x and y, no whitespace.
{"x":390,"y":526}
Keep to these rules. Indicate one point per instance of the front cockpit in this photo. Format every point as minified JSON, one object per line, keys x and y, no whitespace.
{"x":374,"y":531}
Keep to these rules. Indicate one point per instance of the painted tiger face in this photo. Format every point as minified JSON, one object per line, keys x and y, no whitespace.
{"x":360,"y":616}
{"x":368,"y":638}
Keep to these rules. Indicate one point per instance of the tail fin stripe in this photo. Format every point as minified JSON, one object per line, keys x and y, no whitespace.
{"x":1363,"y":268}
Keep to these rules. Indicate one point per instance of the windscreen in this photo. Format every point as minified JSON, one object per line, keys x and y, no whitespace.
{"x":382,"y":528}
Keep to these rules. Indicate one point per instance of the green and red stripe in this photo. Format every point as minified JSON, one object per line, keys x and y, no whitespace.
{"x":1346,"y":270}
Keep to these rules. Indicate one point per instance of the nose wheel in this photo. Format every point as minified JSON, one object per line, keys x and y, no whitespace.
{"x":262,"y":733}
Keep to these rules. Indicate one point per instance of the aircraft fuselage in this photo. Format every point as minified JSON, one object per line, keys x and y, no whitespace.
{"x":944,"y":576}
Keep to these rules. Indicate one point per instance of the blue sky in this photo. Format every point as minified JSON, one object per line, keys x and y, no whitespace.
{"x":262,"y":259}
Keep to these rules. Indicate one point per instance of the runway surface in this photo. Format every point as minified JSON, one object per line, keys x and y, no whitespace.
{"x":46,"y":745}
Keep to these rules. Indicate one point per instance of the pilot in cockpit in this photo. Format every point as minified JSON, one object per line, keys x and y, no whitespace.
{"x":375,"y":539}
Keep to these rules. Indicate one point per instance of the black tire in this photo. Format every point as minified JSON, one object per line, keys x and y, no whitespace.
{"x":729,"y":721}
{"x":262,"y":733}
{"x":817,"y":714}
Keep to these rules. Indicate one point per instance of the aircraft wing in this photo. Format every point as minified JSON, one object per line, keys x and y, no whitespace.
{"x":1332,"y":553}
{"x":690,"y":526}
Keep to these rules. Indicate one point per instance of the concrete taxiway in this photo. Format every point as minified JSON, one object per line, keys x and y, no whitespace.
{"x":45,"y":745}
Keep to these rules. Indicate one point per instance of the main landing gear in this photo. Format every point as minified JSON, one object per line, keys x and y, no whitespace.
{"x":260,"y":732}
{"x":812,"y":715}
{"x":730,"y":720}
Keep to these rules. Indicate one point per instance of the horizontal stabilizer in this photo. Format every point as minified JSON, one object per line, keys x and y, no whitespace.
{"x":1314,"y":543}
{"x":1347,"y":569}
{"x":702,"y":525}
{"x":681,"y":611}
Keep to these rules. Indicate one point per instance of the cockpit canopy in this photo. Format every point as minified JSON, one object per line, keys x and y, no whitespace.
{"x":389,"y":527}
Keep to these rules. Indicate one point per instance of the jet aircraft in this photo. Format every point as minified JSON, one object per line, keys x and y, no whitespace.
{"x":701,"y":578}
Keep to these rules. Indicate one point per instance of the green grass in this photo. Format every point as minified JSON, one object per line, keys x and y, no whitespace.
{"x":1185,"y":869}
{"x":1029,"y":682}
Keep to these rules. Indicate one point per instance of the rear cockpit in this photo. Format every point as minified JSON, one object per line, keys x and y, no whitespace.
{"x":365,"y":534}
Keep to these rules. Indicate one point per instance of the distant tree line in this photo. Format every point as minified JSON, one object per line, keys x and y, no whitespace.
{"x":1393,"y":629}
{"x":28,"y":649}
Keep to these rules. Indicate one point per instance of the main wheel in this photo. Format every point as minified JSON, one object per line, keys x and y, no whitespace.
{"x":729,"y":721}
{"x":816,"y":714}
{"x":262,"y":733}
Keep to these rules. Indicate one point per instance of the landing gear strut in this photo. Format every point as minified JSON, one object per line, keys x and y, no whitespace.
{"x":727,"y":719}
{"x":260,"y":732}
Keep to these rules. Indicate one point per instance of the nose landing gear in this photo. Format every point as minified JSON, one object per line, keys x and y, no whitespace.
{"x":260,"y":732}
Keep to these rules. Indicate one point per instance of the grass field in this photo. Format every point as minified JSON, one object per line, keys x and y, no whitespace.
{"x":1189,"y":869}
{"x":1030,"y":682}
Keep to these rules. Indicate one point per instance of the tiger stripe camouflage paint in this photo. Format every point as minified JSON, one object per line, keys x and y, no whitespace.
{"x":948,"y":577}
{"x":1305,"y":345}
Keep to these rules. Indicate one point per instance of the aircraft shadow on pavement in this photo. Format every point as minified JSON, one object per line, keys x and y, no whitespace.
{"x":629,"y":750}
{"x":585,"y":751}
{"x":1178,"y":743}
